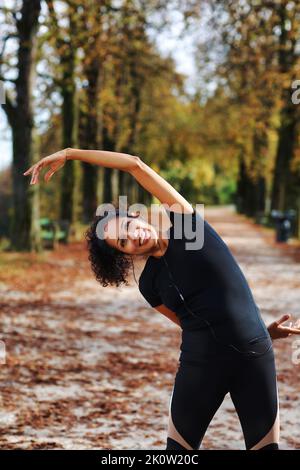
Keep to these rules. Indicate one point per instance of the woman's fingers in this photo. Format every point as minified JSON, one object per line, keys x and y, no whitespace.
{"x":34,"y":167}
{"x":48,"y":175}
{"x":27,"y":172}
{"x":55,"y":161}
{"x":297,"y":323}
{"x":36,"y":171}
{"x":53,"y":169}
{"x":34,"y":177}
{"x":291,"y":331}
{"x":278,"y":330}
{"x":293,"y":327}
{"x":294,"y":331}
{"x":283,"y":319}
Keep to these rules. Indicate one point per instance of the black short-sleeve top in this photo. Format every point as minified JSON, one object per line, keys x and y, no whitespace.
{"x":208,"y":277}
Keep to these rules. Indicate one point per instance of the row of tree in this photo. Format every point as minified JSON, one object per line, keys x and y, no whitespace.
{"x":90,"y":76}
{"x":82,"y":75}
{"x":254,"y":45}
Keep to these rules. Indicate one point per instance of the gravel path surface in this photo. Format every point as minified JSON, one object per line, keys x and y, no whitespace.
{"x":89,"y":367}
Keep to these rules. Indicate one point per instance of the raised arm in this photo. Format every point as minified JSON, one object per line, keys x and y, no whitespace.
{"x":159,"y":187}
{"x":144,"y":175}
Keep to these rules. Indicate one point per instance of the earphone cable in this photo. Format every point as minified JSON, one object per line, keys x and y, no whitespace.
{"x":206,"y":321}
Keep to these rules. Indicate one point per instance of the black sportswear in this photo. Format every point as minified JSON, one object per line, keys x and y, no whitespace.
{"x":212,"y":283}
{"x":225,"y":346}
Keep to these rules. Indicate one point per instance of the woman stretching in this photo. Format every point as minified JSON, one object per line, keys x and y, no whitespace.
{"x":226,"y":346}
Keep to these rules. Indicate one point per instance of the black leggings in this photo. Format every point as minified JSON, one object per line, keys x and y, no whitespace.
{"x":204,"y":376}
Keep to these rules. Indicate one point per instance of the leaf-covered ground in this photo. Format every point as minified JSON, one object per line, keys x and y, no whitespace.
{"x":89,"y":367}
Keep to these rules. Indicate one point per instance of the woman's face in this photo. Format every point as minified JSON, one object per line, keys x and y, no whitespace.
{"x":130,"y":235}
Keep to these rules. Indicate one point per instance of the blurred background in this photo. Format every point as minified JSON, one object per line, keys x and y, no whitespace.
{"x":206,"y":92}
{"x":201,"y":90}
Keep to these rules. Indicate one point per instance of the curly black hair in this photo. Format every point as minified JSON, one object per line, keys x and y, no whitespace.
{"x":109,"y":264}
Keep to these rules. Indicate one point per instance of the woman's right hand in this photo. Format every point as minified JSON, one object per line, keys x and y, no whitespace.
{"x":55,"y":161}
{"x":277,"y":330}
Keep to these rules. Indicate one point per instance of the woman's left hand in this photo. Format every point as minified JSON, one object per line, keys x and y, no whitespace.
{"x":277,"y":330}
{"x":55,"y":161}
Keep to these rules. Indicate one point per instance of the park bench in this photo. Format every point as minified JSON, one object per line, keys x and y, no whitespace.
{"x":53,"y":232}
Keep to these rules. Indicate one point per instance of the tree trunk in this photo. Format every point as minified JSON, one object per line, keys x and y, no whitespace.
{"x":24,"y":230}
{"x":287,"y":57}
{"x":108,"y":144}
{"x":69,"y":132}
{"x":260,"y":146}
{"x":285,"y":152}
{"x":91,"y":139}
{"x":130,"y":185}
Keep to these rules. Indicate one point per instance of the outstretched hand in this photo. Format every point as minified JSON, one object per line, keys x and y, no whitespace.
{"x":55,"y":161}
{"x":278,"y":330}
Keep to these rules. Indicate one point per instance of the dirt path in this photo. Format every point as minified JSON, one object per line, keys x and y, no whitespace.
{"x":93,"y":367}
